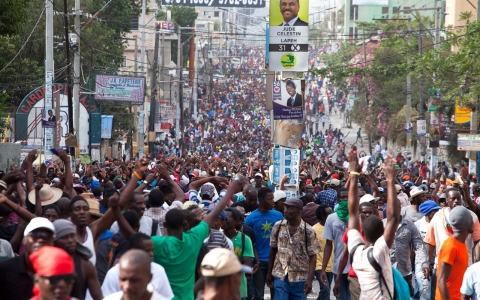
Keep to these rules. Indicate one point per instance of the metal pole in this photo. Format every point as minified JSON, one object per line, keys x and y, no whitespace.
{"x":366,"y":92}
{"x":438,"y":12}
{"x":69,"y":72}
{"x":153,"y":87}
{"x":423,"y":146}
{"x":49,"y":74}
{"x":141,"y":125}
{"x":195,"y":84}
{"x":76,"y":72}
{"x":409,"y":94}
{"x":472,"y":162}
{"x":135,"y":108}
{"x":179,"y":82}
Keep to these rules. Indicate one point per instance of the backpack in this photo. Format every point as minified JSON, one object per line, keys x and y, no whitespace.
{"x":400,"y":286}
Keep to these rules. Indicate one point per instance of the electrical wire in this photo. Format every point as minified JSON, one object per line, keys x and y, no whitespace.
{"x":25,"y":43}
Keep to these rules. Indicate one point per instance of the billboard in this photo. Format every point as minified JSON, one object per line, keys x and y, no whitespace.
{"x":287,"y":100}
{"x":217,"y":3}
{"x":288,"y":36}
{"x":168,"y":112}
{"x":468,"y":142}
{"x":120,"y":88}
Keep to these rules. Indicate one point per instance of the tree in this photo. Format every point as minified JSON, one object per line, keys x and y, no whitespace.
{"x":12,"y":15}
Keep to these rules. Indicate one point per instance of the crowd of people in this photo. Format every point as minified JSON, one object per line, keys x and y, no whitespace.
{"x":212,"y":224}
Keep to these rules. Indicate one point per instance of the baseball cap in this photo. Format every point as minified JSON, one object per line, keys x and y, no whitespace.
{"x":258,"y":174}
{"x":294,"y":202}
{"x":279,"y":195}
{"x":368,"y":198}
{"x":207,"y":191}
{"x":335,"y":182}
{"x":398,"y":188}
{"x":39,"y":223}
{"x":220,"y":262}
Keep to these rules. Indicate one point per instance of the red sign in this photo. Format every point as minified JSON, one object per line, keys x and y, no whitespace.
{"x":165,"y":25}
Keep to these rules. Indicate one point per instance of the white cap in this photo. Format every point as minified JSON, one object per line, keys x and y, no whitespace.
{"x":37,"y":223}
{"x":398,"y":188}
{"x":368,"y":198}
{"x":220,"y":262}
{"x":279,"y":195}
{"x":258,"y":174}
{"x":334,"y":182}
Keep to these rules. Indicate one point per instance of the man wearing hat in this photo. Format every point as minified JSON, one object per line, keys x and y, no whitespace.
{"x":15,"y":273}
{"x":54,"y":274}
{"x":440,"y":229}
{"x":222,"y":272}
{"x":293,"y":253}
{"x":259,"y":182}
{"x":428,"y":208}
{"x":328,"y":196}
{"x":401,"y":196}
{"x":279,"y":198}
{"x":411,"y":212}
{"x":453,"y":255}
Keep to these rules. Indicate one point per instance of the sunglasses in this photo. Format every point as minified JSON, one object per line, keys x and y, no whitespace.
{"x":41,"y":235}
{"x":55,"y":280}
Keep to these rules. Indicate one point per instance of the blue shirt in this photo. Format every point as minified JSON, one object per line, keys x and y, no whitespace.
{"x":328,"y":197}
{"x":262,"y":224}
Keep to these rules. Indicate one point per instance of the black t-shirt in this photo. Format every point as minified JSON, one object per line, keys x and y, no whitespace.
{"x":245,"y":205}
{"x":101,"y":264}
{"x":248,"y":231}
{"x":15,"y":283}
{"x":6,"y":233}
{"x":119,"y":245}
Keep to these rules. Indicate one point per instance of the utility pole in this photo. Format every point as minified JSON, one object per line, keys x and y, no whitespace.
{"x":141,"y":121}
{"x":49,"y":75}
{"x":195,"y":79}
{"x":472,"y":162}
{"x":408,"y":116}
{"x":69,"y":72}
{"x":210,"y":65}
{"x":438,"y":25}
{"x":423,"y":143}
{"x":179,"y":111}
{"x":76,"y":69}
{"x":366,"y":91}
{"x":153,"y":87}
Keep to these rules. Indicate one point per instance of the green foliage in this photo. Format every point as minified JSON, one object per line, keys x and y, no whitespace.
{"x":12,"y":16}
{"x":182,"y":16}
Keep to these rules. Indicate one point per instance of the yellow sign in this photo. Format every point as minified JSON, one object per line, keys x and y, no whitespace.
{"x":462,"y":114}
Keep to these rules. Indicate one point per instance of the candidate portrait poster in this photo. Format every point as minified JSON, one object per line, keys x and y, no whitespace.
{"x":288,"y":101}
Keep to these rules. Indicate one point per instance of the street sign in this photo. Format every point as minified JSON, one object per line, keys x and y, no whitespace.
{"x":288,"y":36}
{"x":468,"y":142}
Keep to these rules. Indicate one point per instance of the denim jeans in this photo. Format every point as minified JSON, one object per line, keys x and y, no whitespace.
{"x":259,"y":280}
{"x":285,"y":290}
{"x":324,"y":293}
{"x":422,"y":285}
{"x":344,"y":289}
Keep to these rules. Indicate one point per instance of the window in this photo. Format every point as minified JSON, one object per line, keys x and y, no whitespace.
{"x":134,"y":22}
{"x":385,"y":10}
{"x":352,"y":33}
{"x":354,"y":12}
{"x":396,"y":10}
{"x":124,"y":63}
{"x":216,"y":14}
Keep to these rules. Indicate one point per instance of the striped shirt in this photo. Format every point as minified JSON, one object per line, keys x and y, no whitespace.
{"x":217,"y":239}
{"x":372,"y":287}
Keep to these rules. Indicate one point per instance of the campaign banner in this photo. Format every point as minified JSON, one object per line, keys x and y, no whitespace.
{"x":120,"y":88}
{"x":287,"y":100}
{"x":434,"y":131}
{"x":286,"y":162}
{"x":288,"y":36}
{"x":288,"y":133}
{"x":48,"y":124}
{"x":421,"y":127}
{"x":217,"y":3}
{"x":445,"y":123}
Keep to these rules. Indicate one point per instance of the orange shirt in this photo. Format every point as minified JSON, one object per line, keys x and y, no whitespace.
{"x":455,"y":254}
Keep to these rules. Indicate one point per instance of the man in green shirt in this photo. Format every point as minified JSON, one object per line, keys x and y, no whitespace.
{"x":241,"y":243}
{"x":177,"y":253}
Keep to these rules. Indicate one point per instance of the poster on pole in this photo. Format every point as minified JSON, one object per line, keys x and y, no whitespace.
{"x":120,"y":88}
{"x":433,"y":99}
{"x":468,"y":142}
{"x":288,"y":133}
{"x":288,"y":36}
{"x":217,"y":3}
{"x":286,"y":162}
{"x":445,"y":124}
{"x":287,"y":99}
{"x":462,"y":114}
{"x":421,"y":127}
{"x":434,"y":131}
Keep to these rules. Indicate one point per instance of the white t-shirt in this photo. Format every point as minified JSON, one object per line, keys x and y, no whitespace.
{"x":159,"y":281}
{"x":384,"y":153}
{"x":369,"y":279}
{"x":145,"y":226}
{"x":471,"y":282}
{"x":155,"y":295}
{"x":378,"y":148}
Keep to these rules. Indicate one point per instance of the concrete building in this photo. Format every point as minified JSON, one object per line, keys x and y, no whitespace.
{"x":453,"y":8}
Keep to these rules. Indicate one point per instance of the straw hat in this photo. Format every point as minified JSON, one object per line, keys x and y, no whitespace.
{"x":47,"y":194}
{"x":415,"y":192}
{"x":93,"y":204}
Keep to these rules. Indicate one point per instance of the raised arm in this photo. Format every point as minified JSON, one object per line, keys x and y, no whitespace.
{"x":393,"y":207}
{"x":68,"y":188}
{"x":20,"y":211}
{"x":353,"y":220}
{"x":179,"y":194}
{"x":32,"y":156}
